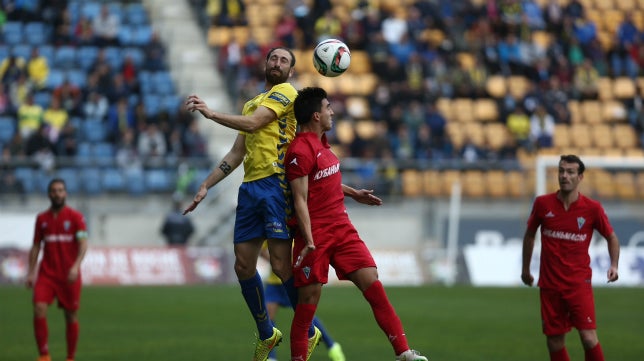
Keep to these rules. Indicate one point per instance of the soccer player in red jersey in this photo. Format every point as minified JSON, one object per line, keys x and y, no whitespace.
{"x":326,"y":236}
{"x":62,"y":231}
{"x":568,"y":220}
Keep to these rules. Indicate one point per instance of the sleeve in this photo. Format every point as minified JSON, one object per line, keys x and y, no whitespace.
{"x":534,"y":221}
{"x":37,"y":231}
{"x":603,"y":225}
{"x":81,"y":227}
{"x":298,"y":163}
{"x":280,"y":98}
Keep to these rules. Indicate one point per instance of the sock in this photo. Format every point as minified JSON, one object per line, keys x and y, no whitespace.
{"x":561,"y":355}
{"x":72,"y":339}
{"x":326,"y":338}
{"x":301,"y":322}
{"x":42,"y":335}
{"x":291,"y":291}
{"x":253,"y":292}
{"x":594,"y":354}
{"x":386,"y":317}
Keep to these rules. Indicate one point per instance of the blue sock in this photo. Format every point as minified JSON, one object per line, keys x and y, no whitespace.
{"x":253,"y":292}
{"x":328,"y":340}
{"x":291,"y":291}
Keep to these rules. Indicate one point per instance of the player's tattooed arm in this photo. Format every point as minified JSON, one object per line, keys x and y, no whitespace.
{"x":225,"y":167}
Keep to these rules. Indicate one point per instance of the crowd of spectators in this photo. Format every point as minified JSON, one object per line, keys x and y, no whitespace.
{"x":52,"y":120}
{"x":415,"y":70}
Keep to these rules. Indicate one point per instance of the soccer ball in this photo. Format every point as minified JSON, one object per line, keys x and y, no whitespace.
{"x":331,"y":57}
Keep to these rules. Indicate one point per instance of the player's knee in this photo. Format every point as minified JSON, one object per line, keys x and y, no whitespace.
{"x":244,"y":269}
{"x":40,"y":309}
{"x":588,"y":338}
{"x":556,"y":343}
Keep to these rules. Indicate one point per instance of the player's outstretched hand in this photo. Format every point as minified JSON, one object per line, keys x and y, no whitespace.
{"x":193,"y":102}
{"x":365,"y":196}
{"x":201,"y":194}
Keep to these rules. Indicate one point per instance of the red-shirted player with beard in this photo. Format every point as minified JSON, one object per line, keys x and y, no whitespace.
{"x":326,"y":236}
{"x":62,"y":231}
{"x":568,"y":220}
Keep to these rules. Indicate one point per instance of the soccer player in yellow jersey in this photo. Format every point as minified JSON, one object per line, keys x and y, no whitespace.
{"x":264,"y":206}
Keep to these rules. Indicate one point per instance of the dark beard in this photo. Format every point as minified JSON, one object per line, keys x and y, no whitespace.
{"x":275,"y":79}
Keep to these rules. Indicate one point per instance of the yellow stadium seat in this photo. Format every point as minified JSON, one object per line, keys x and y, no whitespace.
{"x":561,"y":136}
{"x":411,"y":183}
{"x":613,"y":111}
{"x":602,"y":135}
{"x":344,"y":131}
{"x":624,"y":88}
{"x":518,"y":86}
{"x":358,"y":107}
{"x":219,"y":35}
{"x":474,"y":184}
{"x":463,"y":110}
{"x":580,"y":135}
{"x":366,"y":129}
{"x":605,"y":88}
{"x":432,"y":183}
{"x":485,"y":110}
{"x":591,"y":112}
{"x":496,"y":86}
{"x":496,"y":183}
{"x":496,"y":135}
{"x":360,"y":62}
{"x":625,"y":137}
{"x":449,"y":178}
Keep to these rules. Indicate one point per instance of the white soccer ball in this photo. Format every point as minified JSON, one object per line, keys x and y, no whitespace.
{"x":331,"y":57}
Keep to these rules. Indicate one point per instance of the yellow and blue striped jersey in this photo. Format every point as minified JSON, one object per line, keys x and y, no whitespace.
{"x":266,"y":147}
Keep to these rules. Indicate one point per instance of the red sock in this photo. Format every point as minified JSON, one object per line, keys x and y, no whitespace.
{"x":594,"y":354}
{"x":561,"y":355}
{"x":42,"y":335}
{"x":72,"y":339}
{"x":300,"y":330}
{"x":386,"y":316}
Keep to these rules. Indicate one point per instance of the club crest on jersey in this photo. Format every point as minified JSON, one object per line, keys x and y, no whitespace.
{"x":307,"y":271}
{"x":580,"y":222}
{"x":66,"y":225}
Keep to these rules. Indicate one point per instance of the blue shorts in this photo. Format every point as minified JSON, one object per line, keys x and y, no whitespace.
{"x":264,"y":208}
{"x":276,"y":294}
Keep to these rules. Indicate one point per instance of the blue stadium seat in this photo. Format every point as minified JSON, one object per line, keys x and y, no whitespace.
{"x":48,"y":52}
{"x":7,"y":129}
{"x":171,"y":104}
{"x":65,"y":57}
{"x":114,"y":57}
{"x":93,"y":131}
{"x":103,"y":154}
{"x":86,"y":56}
{"x":70,"y":176}
{"x":158,"y":180}
{"x":162,"y":82}
{"x":42,"y":98}
{"x":152,"y":104}
{"x":135,"y":182}
{"x":137,"y":55}
{"x":90,"y":9}
{"x":77,"y":77}
{"x":91,"y":180}
{"x":113,"y":180}
{"x":36,"y":33}
{"x":28,"y":177}
{"x":12,"y":32}
{"x":83,"y":153}
{"x":4,"y":51}
{"x":55,"y":78}
{"x":21,"y":51}
{"x":135,"y":14}
{"x":141,"y":34}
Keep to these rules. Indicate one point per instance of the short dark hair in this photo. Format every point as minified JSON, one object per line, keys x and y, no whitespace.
{"x":270,"y":52}
{"x":308,"y":101}
{"x":571,"y":158}
{"x":54,"y":181}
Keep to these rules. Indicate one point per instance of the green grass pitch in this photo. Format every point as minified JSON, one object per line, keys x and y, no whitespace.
{"x":212,"y":323}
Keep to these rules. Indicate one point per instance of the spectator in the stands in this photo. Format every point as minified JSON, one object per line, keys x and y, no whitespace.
{"x":586,"y":78}
{"x":37,"y":68}
{"x":67,"y":144}
{"x":55,"y":117}
{"x":6,"y":108}
{"x":106,"y":27}
{"x":518,"y":123}
{"x":127,"y":154}
{"x":11,"y":68}
{"x":227,"y":12}
{"x":542,"y":128}
{"x":63,"y":28}
{"x":29,"y":117}
{"x":70,"y":96}
{"x":285,"y":29}
{"x":120,"y":117}
{"x":155,"y":53}
{"x":40,"y":149}
{"x":328,"y":26}
{"x":626,"y":37}
{"x":84,"y":32}
{"x":151,"y":144}
{"x":194,"y":142}
{"x":96,"y":106}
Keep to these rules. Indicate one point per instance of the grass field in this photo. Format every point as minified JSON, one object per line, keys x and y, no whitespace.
{"x":212,"y":323}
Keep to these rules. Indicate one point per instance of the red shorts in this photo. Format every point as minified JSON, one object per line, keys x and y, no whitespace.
{"x":338,"y":245}
{"x":562,"y":310}
{"x":67,"y":294}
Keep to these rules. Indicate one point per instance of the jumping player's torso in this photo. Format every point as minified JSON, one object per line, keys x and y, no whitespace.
{"x":311,"y":157}
{"x":266,"y":147}
{"x":565,"y":238}
{"x":60,"y":234}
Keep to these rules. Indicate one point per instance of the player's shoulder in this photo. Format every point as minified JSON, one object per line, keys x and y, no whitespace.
{"x":286,"y":89}
{"x":589,"y":202}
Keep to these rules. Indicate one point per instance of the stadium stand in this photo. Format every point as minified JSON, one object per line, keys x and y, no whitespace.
{"x":80,"y":57}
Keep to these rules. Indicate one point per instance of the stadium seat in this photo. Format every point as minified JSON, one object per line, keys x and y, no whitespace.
{"x":602,"y":135}
{"x":463,"y":110}
{"x":449,"y":178}
{"x":21,"y":51}
{"x":103,"y":154}
{"x":72,"y":181}
{"x":12,"y":32}
{"x":625,"y":137}
{"x":496,"y":86}
{"x":83,"y":153}
{"x":125,"y":35}
{"x":485,"y":110}
{"x":64,"y":57}
{"x":625,"y":185}
{"x":91,"y":180}
{"x":496,"y":135}
{"x":47,"y":51}
{"x":36,"y":33}
{"x":141,"y":34}
{"x":90,"y":9}
{"x":77,"y":77}
{"x":93,"y":131}
{"x":171,"y":104}
{"x":152,"y":104}
{"x":55,"y":78}
{"x":358,"y":107}
{"x":158,"y":180}
{"x":344,"y":131}
{"x":411,"y":182}
{"x":28,"y":177}
{"x":135,"y":182}
{"x":136,"y":54}
{"x":4,"y":51}
{"x":432,"y":186}
{"x":561,"y":136}
{"x":591,"y":111}
{"x":87,"y":56}
{"x":135,"y":14}
{"x":114,"y":57}
{"x":7,"y":129}
{"x":624,"y":88}
{"x":42,"y":98}
{"x":496,"y":183}
{"x":113,"y":180}
{"x":474,"y":184}
{"x":162,"y":83}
